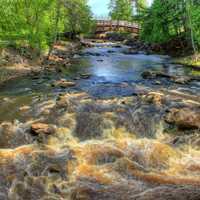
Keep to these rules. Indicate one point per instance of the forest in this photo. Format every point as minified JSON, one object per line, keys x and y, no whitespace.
{"x":36,"y":24}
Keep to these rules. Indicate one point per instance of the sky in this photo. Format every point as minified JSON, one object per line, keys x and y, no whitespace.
{"x":100,"y":7}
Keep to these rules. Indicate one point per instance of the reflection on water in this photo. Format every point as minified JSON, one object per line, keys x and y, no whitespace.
{"x":118,"y":67}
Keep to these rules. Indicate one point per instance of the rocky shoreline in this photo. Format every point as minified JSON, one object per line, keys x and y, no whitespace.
{"x":14,"y":65}
{"x":77,"y":146}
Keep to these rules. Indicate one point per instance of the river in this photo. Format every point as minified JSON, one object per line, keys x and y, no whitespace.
{"x":126,"y":128}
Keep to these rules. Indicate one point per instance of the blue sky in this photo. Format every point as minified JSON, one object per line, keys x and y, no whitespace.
{"x":100,"y":7}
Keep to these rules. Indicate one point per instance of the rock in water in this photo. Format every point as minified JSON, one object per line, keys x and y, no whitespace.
{"x":148,"y":75}
{"x":63,"y":84}
{"x":181,"y":79}
{"x":41,"y":128}
{"x":184,"y":118}
{"x":85,"y":76}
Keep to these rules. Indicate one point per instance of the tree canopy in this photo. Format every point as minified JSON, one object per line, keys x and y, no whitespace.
{"x":37,"y":23}
{"x":121,"y":10}
{"x":167,"y":19}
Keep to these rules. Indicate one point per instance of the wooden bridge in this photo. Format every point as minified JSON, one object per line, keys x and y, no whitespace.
{"x":103,"y":26}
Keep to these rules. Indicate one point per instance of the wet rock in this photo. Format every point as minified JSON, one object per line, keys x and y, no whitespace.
{"x":41,"y":128}
{"x":24,"y":108}
{"x":117,"y":46}
{"x":85,"y":76}
{"x":131,"y":52}
{"x":181,"y":79}
{"x":100,"y":60}
{"x":111,"y":51}
{"x":162,"y":75}
{"x":158,"y":83}
{"x":148,"y":75}
{"x":155,"y":74}
{"x":154,"y":98}
{"x":184,"y":118}
{"x":35,"y":77}
{"x":64,"y":84}
{"x":90,"y":54}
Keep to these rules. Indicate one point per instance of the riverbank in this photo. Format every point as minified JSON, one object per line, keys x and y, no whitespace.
{"x":15,"y":64}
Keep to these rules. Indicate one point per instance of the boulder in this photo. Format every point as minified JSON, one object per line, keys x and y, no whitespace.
{"x":154,"y":98}
{"x":63,"y":83}
{"x":41,"y":128}
{"x":148,"y":75}
{"x":24,"y":108}
{"x":184,"y":118}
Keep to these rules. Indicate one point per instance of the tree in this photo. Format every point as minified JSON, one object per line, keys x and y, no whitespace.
{"x":78,"y":16}
{"x":36,"y":24}
{"x":167,"y":19}
{"x":140,"y":6}
{"x":121,"y":10}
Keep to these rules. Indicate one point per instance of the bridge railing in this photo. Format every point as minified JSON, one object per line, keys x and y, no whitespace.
{"x":116,"y":23}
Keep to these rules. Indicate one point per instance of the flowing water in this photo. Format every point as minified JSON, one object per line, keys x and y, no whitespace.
{"x":110,"y":139}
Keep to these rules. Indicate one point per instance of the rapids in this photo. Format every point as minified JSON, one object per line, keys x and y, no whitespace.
{"x":111,"y":135}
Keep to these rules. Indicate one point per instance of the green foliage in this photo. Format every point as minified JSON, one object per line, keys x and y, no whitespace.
{"x":36,"y":23}
{"x":171,"y":18}
{"x":195,"y":16}
{"x":141,"y":5}
{"x":121,"y":10}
